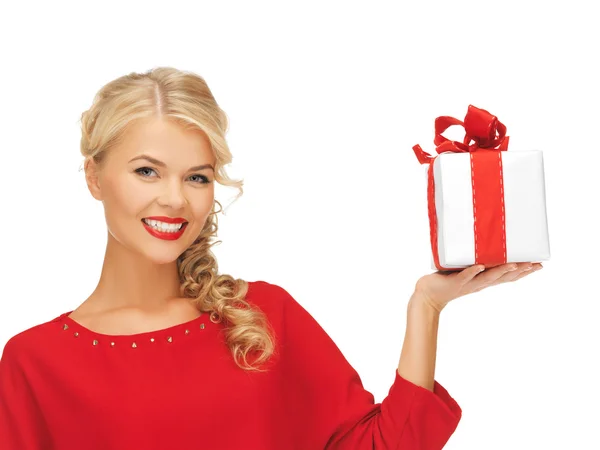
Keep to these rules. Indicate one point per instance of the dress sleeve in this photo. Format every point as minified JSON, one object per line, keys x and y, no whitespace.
{"x":21,"y":424}
{"x":330,"y":409}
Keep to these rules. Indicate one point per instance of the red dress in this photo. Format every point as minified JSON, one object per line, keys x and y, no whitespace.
{"x":65,"y":387}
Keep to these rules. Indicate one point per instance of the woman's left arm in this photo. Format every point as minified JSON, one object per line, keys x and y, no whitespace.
{"x":417,"y":360}
{"x":432,"y":293}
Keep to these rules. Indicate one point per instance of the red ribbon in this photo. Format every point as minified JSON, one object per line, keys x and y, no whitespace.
{"x":485,"y":137}
{"x":481,"y":127}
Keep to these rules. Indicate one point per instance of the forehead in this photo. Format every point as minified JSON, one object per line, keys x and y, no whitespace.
{"x":160,"y":138}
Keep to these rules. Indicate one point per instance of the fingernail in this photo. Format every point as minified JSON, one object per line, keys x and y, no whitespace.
{"x":528,"y":268}
{"x":511,"y":268}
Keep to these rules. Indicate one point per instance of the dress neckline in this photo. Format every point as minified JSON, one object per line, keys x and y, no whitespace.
{"x":169,"y":334}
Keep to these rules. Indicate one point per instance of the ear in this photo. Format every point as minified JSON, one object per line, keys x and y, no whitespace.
{"x":92,"y":173}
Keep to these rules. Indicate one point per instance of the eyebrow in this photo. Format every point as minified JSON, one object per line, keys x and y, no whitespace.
{"x":162,"y":164}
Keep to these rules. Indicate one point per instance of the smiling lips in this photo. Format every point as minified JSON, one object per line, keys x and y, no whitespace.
{"x":165,"y":228}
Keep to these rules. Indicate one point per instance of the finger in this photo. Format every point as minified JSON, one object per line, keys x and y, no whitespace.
{"x":490,"y":276}
{"x":523,"y":269}
{"x":514,"y":274}
{"x":535,"y":268}
{"x":469,"y":273}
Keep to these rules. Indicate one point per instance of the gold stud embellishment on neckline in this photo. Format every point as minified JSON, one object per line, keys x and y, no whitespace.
{"x":202,"y":326}
{"x":214,"y":317}
{"x":134,"y":345}
{"x":170,"y":339}
{"x":187,"y":331}
{"x":76,"y":334}
{"x":151,"y":339}
{"x":112,"y":344}
{"x":65,"y":327}
{"x":95,"y":342}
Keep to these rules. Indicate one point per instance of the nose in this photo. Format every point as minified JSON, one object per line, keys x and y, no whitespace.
{"x":172,"y":195}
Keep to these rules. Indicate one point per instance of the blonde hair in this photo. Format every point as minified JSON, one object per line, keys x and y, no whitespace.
{"x":185,"y":98}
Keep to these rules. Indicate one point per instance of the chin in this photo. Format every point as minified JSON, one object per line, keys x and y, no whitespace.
{"x":163,"y":252}
{"x":160,"y":255}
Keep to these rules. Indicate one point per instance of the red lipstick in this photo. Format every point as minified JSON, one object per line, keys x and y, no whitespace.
{"x":167,"y":219}
{"x":165,"y":235}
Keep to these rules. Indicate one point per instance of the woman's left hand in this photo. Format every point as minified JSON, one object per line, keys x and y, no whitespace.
{"x":440,"y":288}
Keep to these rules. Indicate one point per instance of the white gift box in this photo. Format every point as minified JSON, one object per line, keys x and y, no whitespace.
{"x":524,"y":207}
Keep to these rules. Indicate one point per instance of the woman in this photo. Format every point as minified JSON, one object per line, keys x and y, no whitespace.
{"x":167,"y":353}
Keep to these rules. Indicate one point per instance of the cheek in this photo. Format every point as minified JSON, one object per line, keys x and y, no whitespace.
{"x":125,"y":198}
{"x":203,"y":205}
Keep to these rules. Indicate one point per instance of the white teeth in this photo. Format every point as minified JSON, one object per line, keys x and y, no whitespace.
{"x":164,"y":227}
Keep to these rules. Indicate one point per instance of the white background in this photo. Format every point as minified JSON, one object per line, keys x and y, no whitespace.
{"x":325,"y":100}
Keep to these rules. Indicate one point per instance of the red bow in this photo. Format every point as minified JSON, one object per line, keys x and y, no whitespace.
{"x":481,"y":127}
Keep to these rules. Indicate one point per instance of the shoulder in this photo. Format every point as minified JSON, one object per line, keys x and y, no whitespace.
{"x":277,"y":303}
{"x":274,"y":300}
{"x":303,"y":337}
{"x":270,"y":297}
{"x":27,"y":342}
{"x":266,"y":290}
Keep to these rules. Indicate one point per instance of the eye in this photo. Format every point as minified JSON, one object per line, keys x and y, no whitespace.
{"x":203,"y":179}
{"x":139,"y":171}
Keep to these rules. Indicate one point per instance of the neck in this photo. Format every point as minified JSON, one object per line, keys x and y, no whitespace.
{"x":131,"y":281}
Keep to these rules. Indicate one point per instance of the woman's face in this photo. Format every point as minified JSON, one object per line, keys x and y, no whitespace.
{"x":167,"y":183}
